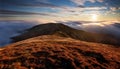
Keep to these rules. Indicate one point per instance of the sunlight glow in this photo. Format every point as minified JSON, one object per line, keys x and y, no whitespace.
{"x":93,"y":24}
{"x":94,"y":17}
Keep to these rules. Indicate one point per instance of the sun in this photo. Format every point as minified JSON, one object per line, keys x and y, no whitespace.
{"x":94,"y":17}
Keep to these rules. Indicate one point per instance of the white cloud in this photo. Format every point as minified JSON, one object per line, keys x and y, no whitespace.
{"x":114,"y":8}
{"x":81,"y":2}
{"x":79,"y":9}
{"x":12,"y":28}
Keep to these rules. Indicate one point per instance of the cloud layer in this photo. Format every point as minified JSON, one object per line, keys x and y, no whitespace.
{"x":81,"y":2}
{"x":11,"y":28}
{"x":111,"y":28}
{"x":59,"y":9}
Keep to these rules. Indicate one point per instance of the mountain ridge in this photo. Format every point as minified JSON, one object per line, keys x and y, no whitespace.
{"x":66,"y":31}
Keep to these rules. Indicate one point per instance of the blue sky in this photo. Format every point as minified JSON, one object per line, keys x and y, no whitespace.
{"x":52,"y":10}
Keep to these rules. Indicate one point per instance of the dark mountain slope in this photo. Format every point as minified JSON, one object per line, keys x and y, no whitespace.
{"x":116,"y":25}
{"x":54,"y":52}
{"x":65,"y":31}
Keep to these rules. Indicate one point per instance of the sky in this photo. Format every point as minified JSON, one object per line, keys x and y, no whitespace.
{"x":60,"y":10}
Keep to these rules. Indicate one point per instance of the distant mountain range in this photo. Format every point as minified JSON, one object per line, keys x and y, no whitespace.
{"x":66,"y":31}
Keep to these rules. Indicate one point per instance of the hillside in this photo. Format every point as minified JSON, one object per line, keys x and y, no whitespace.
{"x":65,"y":31}
{"x":54,"y":52}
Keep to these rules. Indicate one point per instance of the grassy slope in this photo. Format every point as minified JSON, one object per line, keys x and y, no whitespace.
{"x":53,"y":52}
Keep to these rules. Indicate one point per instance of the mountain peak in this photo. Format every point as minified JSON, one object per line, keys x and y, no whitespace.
{"x":60,"y":29}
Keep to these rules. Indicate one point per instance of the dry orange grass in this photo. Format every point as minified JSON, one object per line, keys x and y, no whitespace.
{"x":53,"y":52}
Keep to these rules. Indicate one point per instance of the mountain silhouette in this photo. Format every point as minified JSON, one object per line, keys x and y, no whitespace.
{"x":60,"y":29}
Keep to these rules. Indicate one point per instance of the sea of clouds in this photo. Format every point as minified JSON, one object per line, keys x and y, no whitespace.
{"x":9,"y":29}
{"x":102,"y":27}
